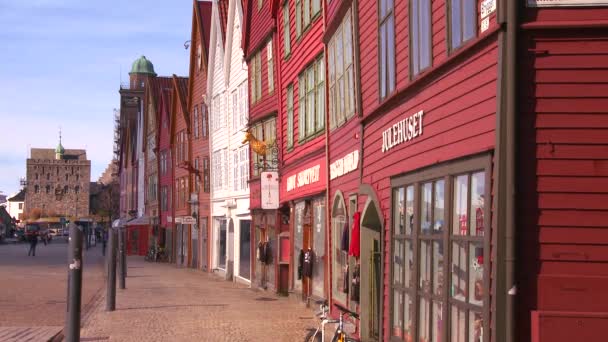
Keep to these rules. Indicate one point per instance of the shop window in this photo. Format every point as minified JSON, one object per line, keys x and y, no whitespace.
{"x":463,"y":22}
{"x":440,"y":269}
{"x":340,"y":271}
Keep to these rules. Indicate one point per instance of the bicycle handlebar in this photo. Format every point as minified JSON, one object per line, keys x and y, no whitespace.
{"x":345,"y":310}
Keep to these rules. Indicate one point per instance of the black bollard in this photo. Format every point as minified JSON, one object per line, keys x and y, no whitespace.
{"x":111,"y":263}
{"x":72,"y":330}
{"x":121,"y":259}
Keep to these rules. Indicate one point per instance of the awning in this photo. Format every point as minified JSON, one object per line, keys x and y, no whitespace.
{"x":140,"y":221}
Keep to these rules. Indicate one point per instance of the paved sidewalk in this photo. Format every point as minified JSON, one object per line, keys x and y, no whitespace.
{"x":165,"y":303}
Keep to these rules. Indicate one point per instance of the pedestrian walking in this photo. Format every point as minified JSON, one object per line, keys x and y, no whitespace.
{"x":33,"y":242}
{"x":104,"y":242}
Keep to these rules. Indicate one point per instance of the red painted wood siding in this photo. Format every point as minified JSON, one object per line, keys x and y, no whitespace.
{"x":459,"y":120}
{"x":180,"y":124}
{"x":198,"y":89}
{"x":331,"y":8}
{"x":259,"y":24}
{"x":304,"y":50}
{"x":165,"y":145}
{"x":268,"y":103}
{"x":564,"y":167}
{"x":368,"y":29}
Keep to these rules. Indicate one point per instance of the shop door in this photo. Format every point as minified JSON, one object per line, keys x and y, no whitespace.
{"x":371,"y":283}
{"x":204,"y":237}
{"x":180,"y":245}
{"x":306,"y":245}
{"x":194,"y":263}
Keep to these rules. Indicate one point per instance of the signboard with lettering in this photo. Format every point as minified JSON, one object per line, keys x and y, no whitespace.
{"x":303,"y":178}
{"x":344,"y":165}
{"x":270,"y":190}
{"x":402,"y":131}
{"x":188,"y":220}
{"x":572,"y":3}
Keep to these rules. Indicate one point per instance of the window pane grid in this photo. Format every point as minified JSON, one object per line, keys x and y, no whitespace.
{"x":451,"y":307}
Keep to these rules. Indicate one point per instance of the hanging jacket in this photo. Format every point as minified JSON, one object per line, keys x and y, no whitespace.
{"x":355,"y":248}
{"x":309,"y":257}
{"x":344,"y":242}
{"x":300,"y":264}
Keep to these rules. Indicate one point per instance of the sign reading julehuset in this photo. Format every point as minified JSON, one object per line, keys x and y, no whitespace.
{"x":402,"y":131}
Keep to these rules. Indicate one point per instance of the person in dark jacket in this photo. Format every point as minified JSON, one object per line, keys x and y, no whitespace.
{"x":33,"y":238}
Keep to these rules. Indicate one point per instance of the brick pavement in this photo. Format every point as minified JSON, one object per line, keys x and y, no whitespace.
{"x":165,"y":303}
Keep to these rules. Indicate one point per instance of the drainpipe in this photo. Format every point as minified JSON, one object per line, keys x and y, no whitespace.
{"x":505,"y":173}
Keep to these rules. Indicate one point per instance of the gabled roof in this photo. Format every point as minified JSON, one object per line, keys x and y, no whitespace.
{"x":201,"y":25}
{"x":156,"y":87}
{"x":180,"y":89}
{"x":234,"y":10}
{"x":19,"y":197}
{"x":223,"y":12}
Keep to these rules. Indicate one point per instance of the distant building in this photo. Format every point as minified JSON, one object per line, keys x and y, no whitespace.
{"x":15,"y":205}
{"x":58,"y":182}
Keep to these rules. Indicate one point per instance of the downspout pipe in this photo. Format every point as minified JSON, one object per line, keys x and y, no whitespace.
{"x":505,"y":175}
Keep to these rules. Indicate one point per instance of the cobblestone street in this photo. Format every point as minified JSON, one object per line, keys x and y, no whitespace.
{"x":34,"y":289}
{"x":165,"y":303}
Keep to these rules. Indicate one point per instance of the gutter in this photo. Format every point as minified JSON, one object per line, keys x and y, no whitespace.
{"x":504,"y":220}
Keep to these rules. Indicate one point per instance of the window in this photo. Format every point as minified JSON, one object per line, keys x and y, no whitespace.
{"x":151,"y":144}
{"x":463,"y":22}
{"x":181,"y":146}
{"x":256,"y":78}
{"x":386,"y":36}
{"x":341,"y":74}
{"x":67,"y":177}
{"x":152,"y":187}
{"x":420,"y":33}
{"x":306,"y":11}
{"x":270,"y":67}
{"x":264,"y":131}
{"x":20,"y":206}
{"x":205,"y":121}
{"x":164,"y":198}
{"x":48,"y":189}
{"x":290,"y":116}
{"x":37,"y":176}
{"x":206,"y":174}
{"x":37,"y":189}
{"x":340,"y":272}
{"x":66,"y":190}
{"x":197,"y":185}
{"x":286,"y":30}
{"x":225,"y":169}
{"x":439,"y":280}
{"x":312,"y":101}
{"x":196,"y":122}
{"x":244,"y":105}
{"x":48,"y":176}
{"x":235,"y":113}
{"x":244,"y":167}
{"x":235,"y":170}
{"x":76,"y":189}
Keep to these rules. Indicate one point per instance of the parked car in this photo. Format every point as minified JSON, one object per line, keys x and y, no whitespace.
{"x":32,"y":229}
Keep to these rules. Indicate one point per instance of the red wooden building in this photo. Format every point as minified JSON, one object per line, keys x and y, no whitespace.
{"x":165,"y":168}
{"x":428,"y":85}
{"x":197,"y":90}
{"x":181,"y":155}
{"x":259,"y":46}
{"x":302,"y":121}
{"x":562,"y":173}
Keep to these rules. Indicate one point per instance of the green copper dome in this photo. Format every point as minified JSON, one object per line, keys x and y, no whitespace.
{"x":142,"y":66}
{"x":59,"y":149}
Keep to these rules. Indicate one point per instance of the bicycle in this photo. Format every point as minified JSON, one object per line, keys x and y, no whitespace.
{"x":339,"y":335}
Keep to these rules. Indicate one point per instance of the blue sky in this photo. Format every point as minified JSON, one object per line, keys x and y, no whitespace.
{"x":60,"y":65}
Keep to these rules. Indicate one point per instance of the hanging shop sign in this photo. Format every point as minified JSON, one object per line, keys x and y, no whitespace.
{"x":402,"y":131}
{"x":270,"y":190}
{"x":344,"y":165}
{"x":303,"y":178}
{"x":188,"y":220}
{"x":178,"y":219}
{"x":573,"y":3}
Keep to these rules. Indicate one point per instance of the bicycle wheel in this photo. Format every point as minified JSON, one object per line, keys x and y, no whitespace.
{"x":313,"y":336}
